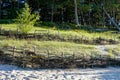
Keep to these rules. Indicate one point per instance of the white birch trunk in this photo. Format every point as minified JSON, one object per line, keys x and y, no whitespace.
{"x":76,"y":13}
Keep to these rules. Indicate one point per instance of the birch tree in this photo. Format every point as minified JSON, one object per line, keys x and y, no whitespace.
{"x":76,"y":13}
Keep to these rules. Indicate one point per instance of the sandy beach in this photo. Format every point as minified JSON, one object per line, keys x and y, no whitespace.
{"x":9,"y":72}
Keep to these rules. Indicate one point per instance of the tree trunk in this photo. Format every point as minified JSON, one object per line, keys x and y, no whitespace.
{"x":52,"y":11}
{"x":62,"y":15}
{"x":0,"y":8}
{"x":103,"y":19}
{"x":76,"y":13}
{"x":113,"y":22}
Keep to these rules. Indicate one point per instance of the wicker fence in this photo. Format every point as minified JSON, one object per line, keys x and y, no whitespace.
{"x":46,"y":59}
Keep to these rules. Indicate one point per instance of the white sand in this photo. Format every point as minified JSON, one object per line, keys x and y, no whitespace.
{"x":103,"y":48}
{"x":8,"y":72}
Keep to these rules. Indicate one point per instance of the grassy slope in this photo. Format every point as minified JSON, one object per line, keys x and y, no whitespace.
{"x":80,"y":33}
{"x":59,"y":47}
{"x":66,"y":47}
{"x":52,"y":46}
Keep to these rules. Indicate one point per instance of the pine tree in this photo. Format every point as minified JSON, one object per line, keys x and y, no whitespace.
{"x":26,"y":20}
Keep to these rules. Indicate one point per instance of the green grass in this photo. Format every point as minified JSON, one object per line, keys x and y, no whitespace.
{"x":114,"y":50}
{"x":64,"y":33}
{"x":58,"y":48}
{"x":55,"y":46}
{"x":51,"y":45}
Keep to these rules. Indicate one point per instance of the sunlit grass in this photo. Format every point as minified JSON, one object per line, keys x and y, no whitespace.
{"x":63,"y":33}
{"x":114,"y":50}
{"x":59,"y":47}
{"x":52,"y":46}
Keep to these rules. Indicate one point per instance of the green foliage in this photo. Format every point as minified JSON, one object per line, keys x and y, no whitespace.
{"x":26,"y":20}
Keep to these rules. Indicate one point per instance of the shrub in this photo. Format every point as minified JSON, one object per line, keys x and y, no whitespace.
{"x":26,"y":20}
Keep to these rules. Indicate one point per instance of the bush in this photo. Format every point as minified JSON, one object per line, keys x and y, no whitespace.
{"x":26,"y":20}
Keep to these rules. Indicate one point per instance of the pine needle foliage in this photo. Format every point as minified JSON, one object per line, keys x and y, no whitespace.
{"x":26,"y":19}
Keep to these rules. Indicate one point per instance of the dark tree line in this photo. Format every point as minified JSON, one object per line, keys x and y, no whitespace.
{"x":84,"y":12}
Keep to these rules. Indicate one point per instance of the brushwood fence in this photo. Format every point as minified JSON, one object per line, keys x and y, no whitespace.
{"x":35,"y":59}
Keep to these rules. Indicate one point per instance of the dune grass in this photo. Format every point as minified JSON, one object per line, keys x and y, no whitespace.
{"x":44,"y":45}
{"x":58,"y":48}
{"x":74,"y":32}
{"x":55,"y":46}
{"x":114,"y":50}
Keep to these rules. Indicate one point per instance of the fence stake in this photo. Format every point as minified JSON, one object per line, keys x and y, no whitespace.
{"x":109,"y":61}
{"x":101,"y":59}
{"x":23,"y":52}
{"x":48,"y":58}
{"x":93,"y":60}
{"x":114,"y":60}
{"x":73,"y":57}
{"x":23,"y":64}
{"x":62,"y":56}
{"x":58,"y":33}
{"x":83,"y":61}
{"x":0,"y":30}
{"x":14,"y":50}
{"x":48,"y":34}
{"x":9,"y":33}
{"x":16,"y":34}
{"x":34,"y":49}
